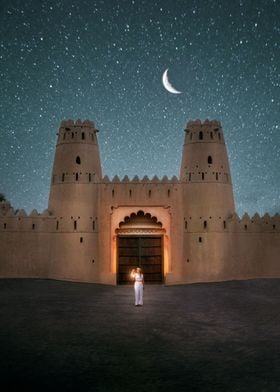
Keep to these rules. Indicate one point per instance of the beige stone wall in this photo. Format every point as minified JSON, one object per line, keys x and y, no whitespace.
{"x":25,"y":254}
{"x":231,"y":254}
{"x":49,"y":247}
{"x":224,"y":249}
{"x":74,"y":256}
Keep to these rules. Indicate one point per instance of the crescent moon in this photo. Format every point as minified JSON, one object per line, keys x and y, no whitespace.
{"x":168,"y":85}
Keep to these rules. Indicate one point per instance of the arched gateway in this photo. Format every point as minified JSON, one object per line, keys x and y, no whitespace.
{"x":140,"y":243}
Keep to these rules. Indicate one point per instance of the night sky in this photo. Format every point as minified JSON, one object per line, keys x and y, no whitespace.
{"x":104,"y":60}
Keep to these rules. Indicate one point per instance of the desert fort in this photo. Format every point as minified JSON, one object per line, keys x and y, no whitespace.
{"x":179,"y":230}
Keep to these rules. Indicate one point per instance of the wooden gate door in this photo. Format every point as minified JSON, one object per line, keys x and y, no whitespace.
{"x":140,"y":251}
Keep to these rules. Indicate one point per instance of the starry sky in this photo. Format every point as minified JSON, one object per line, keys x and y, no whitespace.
{"x":104,"y":60}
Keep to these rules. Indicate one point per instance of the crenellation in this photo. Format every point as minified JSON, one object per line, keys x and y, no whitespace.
{"x":5,"y":206}
{"x":145,"y":179}
{"x":34,"y":213}
{"x":70,"y":124}
{"x":245,"y":217}
{"x":254,"y":224}
{"x":125,"y":179}
{"x":21,"y":213}
{"x":78,"y":123}
{"x":255,"y":218}
{"x":67,"y":123}
{"x":155,"y":179}
{"x":235,"y":217}
{"x":135,"y":180}
{"x":78,"y":132}
{"x":88,"y":124}
{"x":11,"y":212}
{"x":174,"y":180}
{"x":266,"y":216}
{"x":105,"y":179}
{"x":116,"y":179}
{"x":206,"y":126}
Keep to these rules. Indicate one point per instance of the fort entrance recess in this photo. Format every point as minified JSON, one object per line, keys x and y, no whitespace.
{"x":143,"y":251}
{"x":140,"y":244}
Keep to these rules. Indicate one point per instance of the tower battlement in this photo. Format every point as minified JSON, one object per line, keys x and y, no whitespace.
{"x":78,"y":123}
{"x":198,"y":125}
{"x":207,"y":131}
{"x":77,"y":132}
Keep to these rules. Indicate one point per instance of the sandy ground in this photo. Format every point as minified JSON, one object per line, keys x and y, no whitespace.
{"x":83,"y":337}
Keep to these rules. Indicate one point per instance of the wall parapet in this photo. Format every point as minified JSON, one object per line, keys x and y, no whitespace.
{"x":255,"y":223}
{"x":136,"y":180}
{"x":233,"y":223}
{"x":35,"y":222}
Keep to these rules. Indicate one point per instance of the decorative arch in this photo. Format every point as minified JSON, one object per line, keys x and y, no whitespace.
{"x":140,"y":222}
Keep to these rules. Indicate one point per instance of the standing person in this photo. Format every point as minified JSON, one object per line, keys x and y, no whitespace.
{"x":138,"y":285}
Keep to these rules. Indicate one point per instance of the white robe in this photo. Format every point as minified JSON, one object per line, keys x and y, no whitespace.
{"x":138,"y":289}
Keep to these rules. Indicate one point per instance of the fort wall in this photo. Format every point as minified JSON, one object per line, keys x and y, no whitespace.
{"x":76,"y":238}
{"x":205,"y":248}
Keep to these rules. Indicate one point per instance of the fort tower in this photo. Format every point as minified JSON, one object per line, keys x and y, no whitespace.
{"x":76,"y":170}
{"x":205,"y":171}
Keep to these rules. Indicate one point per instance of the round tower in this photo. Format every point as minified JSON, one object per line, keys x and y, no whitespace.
{"x":205,"y":171}
{"x":76,"y":170}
